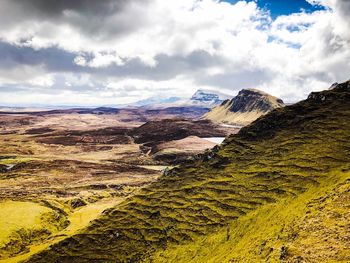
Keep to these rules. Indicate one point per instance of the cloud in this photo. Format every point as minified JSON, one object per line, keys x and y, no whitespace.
{"x":95,"y":19}
{"x":117,"y":50}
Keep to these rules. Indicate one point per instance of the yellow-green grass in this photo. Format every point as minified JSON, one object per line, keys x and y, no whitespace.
{"x":22,"y":223}
{"x":248,"y":191}
{"x":16,"y":215}
{"x":15,"y":160}
{"x":83,"y":216}
{"x":263,"y":234}
{"x":78,"y":220}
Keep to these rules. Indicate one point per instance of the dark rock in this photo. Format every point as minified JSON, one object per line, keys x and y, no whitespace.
{"x":77,"y":202}
{"x":155,"y":215}
{"x":3,"y":168}
{"x":283,"y":253}
{"x":117,"y":187}
{"x":249,"y":100}
{"x":98,"y":186}
{"x":39,"y":130}
{"x":334,"y":85}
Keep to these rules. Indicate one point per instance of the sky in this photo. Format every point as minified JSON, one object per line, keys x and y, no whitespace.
{"x":110,"y":52}
{"x":284,"y":7}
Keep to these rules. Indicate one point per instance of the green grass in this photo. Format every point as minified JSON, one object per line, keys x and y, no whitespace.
{"x":260,"y":235}
{"x":78,"y":219}
{"x":15,"y":160}
{"x":22,"y":223}
{"x":16,"y":215}
{"x":238,"y":203}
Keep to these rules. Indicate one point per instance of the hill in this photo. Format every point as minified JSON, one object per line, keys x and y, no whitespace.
{"x":245,"y":108}
{"x":171,"y":140}
{"x":154,"y":132}
{"x":276,"y":191}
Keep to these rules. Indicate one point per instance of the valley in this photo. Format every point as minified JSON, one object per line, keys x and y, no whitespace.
{"x":91,"y":186}
{"x":63,"y":169}
{"x":277,"y":186}
{"x":160,"y":131}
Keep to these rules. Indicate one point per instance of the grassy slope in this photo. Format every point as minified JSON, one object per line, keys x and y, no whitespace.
{"x":23,"y":223}
{"x":251,"y":193}
{"x":79,"y":219}
{"x":312,"y":227}
{"x":16,"y":215}
{"x":222,"y":114}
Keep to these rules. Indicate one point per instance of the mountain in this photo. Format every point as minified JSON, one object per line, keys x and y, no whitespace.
{"x":154,"y":101}
{"x":208,"y":98}
{"x":245,"y":108}
{"x":278,"y":191}
{"x":201,"y":98}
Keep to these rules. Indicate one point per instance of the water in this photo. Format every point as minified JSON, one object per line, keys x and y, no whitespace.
{"x":217,"y":140}
{"x":10,"y":166}
{"x":231,"y":126}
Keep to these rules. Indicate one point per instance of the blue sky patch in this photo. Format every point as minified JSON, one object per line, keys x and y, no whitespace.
{"x":284,"y":7}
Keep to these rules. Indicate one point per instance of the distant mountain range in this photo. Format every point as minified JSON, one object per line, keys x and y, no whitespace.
{"x":155,"y":101}
{"x":217,"y":107}
{"x":245,"y":108}
{"x":201,"y":98}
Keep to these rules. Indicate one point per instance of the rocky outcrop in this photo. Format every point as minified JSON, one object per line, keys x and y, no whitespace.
{"x":245,"y":108}
{"x":202,"y":97}
{"x":336,"y":88}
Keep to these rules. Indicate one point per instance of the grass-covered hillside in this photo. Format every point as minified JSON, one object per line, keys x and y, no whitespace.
{"x":277,"y":191}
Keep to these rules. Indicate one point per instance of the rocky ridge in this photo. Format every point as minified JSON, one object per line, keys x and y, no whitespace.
{"x":243,"y":109}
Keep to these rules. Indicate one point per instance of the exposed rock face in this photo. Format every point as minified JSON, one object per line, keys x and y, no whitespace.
{"x":250,"y":100}
{"x":322,"y":96}
{"x":245,"y":108}
{"x":205,"y":97}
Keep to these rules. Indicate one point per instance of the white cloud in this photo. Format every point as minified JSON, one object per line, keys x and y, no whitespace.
{"x":241,"y":45}
{"x":46,"y":80}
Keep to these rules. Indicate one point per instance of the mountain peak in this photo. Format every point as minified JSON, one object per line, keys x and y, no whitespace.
{"x":249,"y":100}
{"x":246,"y":107}
{"x":207,"y":97}
{"x":204,"y":95}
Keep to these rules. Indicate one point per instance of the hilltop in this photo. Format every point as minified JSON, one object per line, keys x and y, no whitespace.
{"x":276,"y":191}
{"x":245,"y":108}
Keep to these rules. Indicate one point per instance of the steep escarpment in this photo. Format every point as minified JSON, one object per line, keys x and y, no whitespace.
{"x":254,"y":199}
{"x":243,"y":109}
